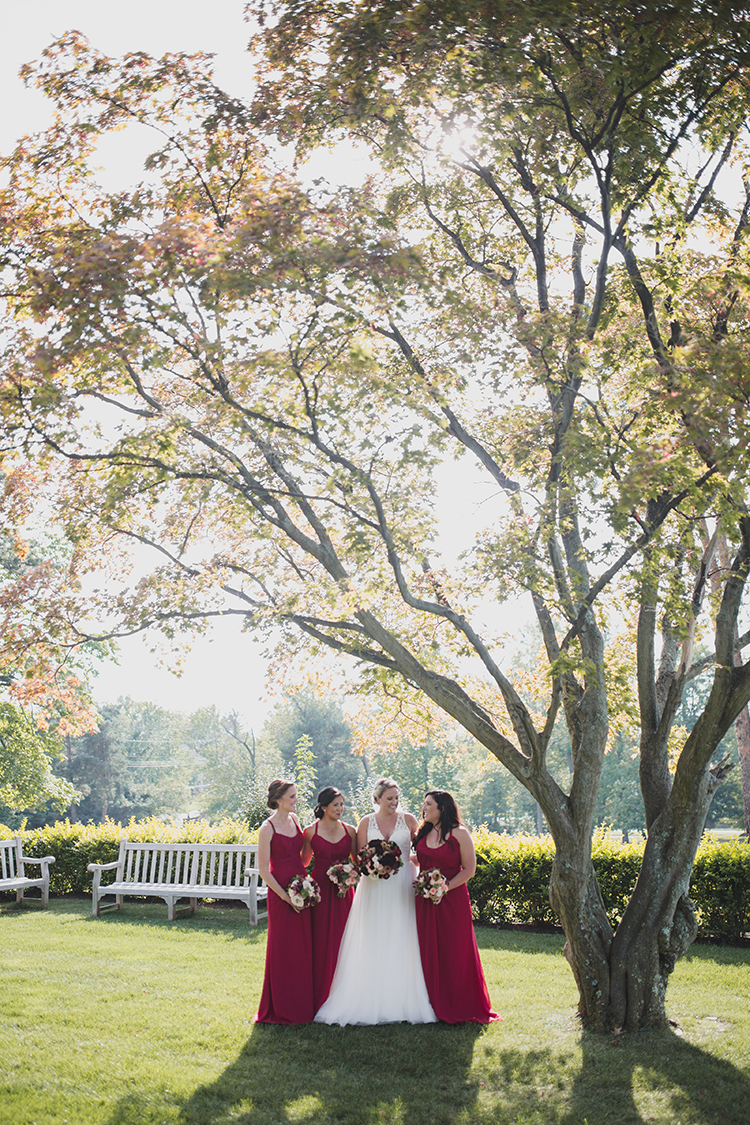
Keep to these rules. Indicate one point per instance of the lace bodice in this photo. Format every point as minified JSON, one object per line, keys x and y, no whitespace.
{"x":400,"y":835}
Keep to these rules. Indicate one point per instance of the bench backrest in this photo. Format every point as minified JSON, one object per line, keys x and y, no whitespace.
{"x":207,"y":865}
{"x":10,"y":859}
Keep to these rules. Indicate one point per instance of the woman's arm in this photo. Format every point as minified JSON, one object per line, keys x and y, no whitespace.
{"x":362,"y":832}
{"x":352,"y":840}
{"x":264,"y":861}
{"x":307,"y":844}
{"x":413,"y":826}
{"x":468,"y":857}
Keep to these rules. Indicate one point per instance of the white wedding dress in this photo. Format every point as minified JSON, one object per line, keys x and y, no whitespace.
{"x":378,"y":976}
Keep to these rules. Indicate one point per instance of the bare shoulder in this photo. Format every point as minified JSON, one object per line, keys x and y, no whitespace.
{"x":309,"y":832}
{"x":265,"y":828}
{"x":461,"y":832}
{"x":364,"y":821}
{"x":411,"y":820}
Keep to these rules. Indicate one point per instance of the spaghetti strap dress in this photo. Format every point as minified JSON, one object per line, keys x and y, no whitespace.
{"x":450,"y":958}
{"x":329,"y":917}
{"x":287,"y":995}
{"x":378,"y":977}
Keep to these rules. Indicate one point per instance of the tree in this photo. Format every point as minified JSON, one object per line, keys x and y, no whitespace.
{"x":227,"y":757}
{"x":43,"y":672}
{"x":304,"y":715}
{"x":26,"y":758}
{"x":135,"y":764}
{"x":541,"y":277}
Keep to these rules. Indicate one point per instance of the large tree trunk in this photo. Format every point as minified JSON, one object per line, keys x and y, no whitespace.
{"x":577,"y":901}
{"x":622,"y":977}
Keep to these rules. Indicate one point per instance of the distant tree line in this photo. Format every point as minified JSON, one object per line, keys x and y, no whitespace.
{"x":144,"y":760}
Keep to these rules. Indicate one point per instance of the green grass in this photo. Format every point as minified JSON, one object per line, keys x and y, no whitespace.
{"x":131,"y":1020}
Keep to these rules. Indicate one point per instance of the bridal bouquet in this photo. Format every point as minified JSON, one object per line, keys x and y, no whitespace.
{"x":381,"y":858}
{"x":343,"y":876}
{"x":431,"y":885}
{"x":303,"y":891}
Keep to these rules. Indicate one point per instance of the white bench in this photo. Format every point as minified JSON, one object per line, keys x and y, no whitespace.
{"x":13,"y":871}
{"x":176,"y":871}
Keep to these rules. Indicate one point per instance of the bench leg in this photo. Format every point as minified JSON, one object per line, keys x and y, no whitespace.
{"x":45,"y":896}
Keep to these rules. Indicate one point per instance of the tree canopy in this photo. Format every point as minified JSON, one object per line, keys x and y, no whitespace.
{"x":544,"y":277}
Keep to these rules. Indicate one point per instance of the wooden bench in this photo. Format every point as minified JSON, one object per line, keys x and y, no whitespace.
{"x":13,"y":871}
{"x":177,"y":871}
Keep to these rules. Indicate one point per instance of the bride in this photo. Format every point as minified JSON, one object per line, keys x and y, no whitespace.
{"x":379,"y":975}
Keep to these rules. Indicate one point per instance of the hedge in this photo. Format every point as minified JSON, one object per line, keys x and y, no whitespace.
{"x":510,"y":885}
{"x":75,"y":846}
{"x":513,"y":874}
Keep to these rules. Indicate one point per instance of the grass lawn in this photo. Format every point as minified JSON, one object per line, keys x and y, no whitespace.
{"x":131,"y":1020}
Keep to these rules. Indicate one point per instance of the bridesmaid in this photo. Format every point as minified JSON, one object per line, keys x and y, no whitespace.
{"x":450,"y":958}
{"x":331,"y":841}
{"x":287,"y":987}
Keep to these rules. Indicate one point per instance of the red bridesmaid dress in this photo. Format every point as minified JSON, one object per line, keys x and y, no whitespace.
{"x":287,"y":995}
{"x":330,"y":915}
{"x":450,"y":958}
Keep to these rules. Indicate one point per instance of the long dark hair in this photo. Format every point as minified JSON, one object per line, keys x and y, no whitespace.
{"x":450,"y":817}
{"x":325,"y":797}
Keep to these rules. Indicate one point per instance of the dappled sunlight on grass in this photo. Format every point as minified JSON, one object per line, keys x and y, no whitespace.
{"x":132,"y":1020}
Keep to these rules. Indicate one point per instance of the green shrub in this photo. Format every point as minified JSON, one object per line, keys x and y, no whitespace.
{"x":512,"y":878}
{"x":75,"y":846}
{"x":511,"y":884}
{"x":720,"y":888}
{"x":513,"y":872}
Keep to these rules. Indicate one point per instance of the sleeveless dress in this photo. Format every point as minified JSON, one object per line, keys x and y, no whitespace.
{"x":287,"y":995}
{"x":450,"y":958}
{"x":329,"y":917}
{"x":379,"y":978}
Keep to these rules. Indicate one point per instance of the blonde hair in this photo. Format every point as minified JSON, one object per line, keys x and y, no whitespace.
{"x":382,"y":785}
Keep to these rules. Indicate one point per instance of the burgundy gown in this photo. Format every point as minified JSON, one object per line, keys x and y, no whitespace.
{"x":450,"y":958}
{"x":287,"y":995}
{"x":330,"y":915}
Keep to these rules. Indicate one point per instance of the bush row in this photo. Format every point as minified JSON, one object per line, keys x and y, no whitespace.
{"x":510,"y":885}
{"x":74,"y":846}
{"x":513,"y":873}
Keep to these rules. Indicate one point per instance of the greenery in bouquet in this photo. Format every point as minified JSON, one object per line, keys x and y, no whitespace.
{"x":381,"y":858}
{"x":431,"y":885}
{"x":303,"y":891}
{"x":344,"y":876}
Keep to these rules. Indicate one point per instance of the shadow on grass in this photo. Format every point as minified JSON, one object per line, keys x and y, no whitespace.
{"x":221,"y":917}
{"x":656,"y":1076}
{"x":436,"y":1075}
{"x":391,"y":1074}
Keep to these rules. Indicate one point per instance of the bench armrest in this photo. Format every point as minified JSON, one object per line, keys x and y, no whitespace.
{"x":47,"y":859}
{"x":103,"y":866}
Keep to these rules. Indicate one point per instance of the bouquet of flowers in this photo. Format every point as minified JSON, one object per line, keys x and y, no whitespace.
{"x":381,"y":858}
{"x":431,"y":885}
{"x":343,"y":876}
{"x":303,"y":891}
